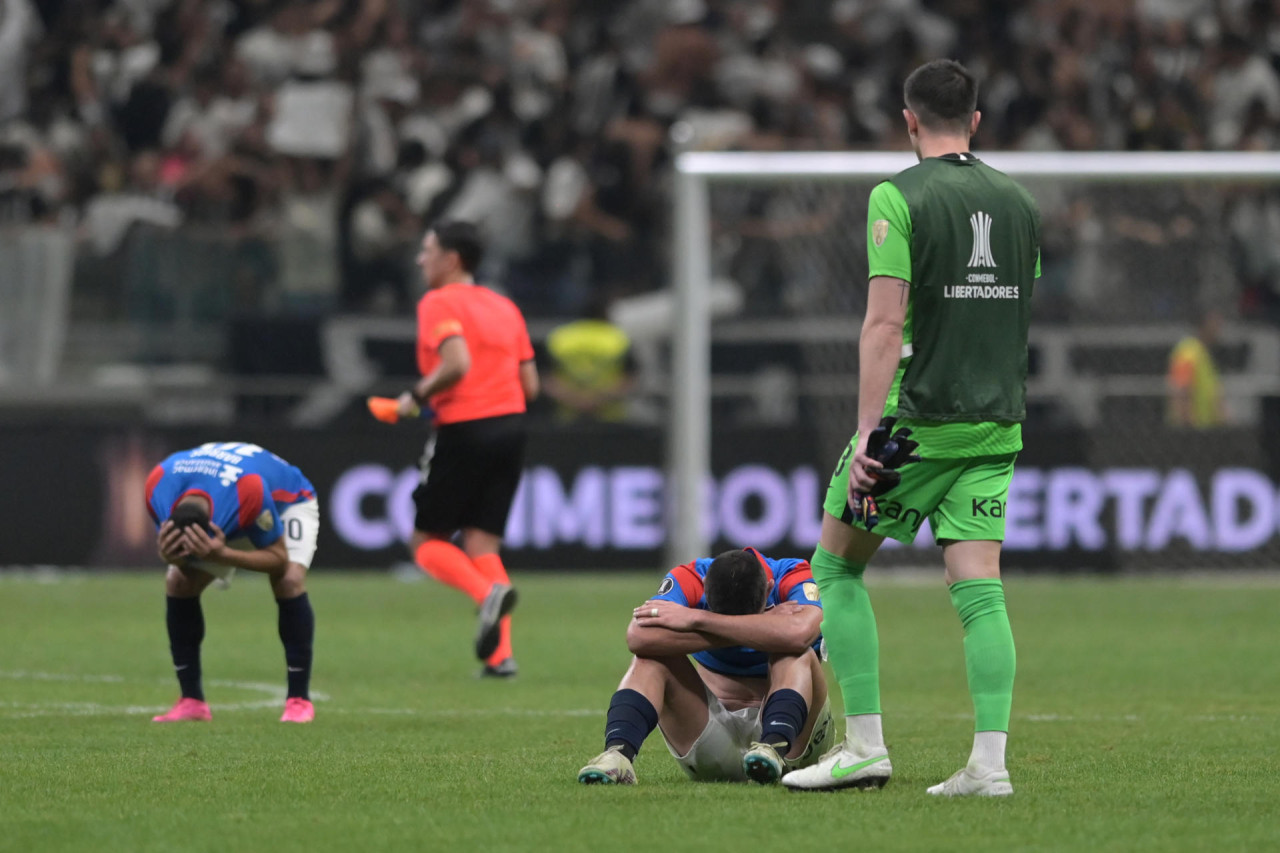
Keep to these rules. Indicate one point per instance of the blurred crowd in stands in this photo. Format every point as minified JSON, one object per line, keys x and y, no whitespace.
{"x":332,"y":130}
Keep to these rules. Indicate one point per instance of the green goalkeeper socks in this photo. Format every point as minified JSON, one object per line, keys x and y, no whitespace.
{"x":849,"y":628}
{"x":988,"y":650}
{"x":853,"y":647}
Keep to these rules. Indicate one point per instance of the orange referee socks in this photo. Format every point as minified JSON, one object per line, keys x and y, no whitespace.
{"x":448,"y":564}
{"x":490,"y":565}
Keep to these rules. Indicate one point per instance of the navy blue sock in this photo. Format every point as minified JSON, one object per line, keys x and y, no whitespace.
{"x":297,"y":631}
{"x":185,"y":621}
{"x":782,"y":719}
{"x":631,"y":718}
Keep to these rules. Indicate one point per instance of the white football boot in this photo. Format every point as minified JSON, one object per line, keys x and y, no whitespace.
{"x":842,"y":767}
{"x":762,"y":763}
{"x":974,"y":781}
{"x":610,"y":767}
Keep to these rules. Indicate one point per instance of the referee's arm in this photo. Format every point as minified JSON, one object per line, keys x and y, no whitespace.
{"x":455,"y":361}
{"x":529,"y":380}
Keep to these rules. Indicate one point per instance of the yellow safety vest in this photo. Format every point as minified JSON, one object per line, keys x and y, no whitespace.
{"x":1191,"y":366}
{"x":591,"y":356}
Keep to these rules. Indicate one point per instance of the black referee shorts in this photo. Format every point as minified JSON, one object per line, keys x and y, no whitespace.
{"x":470,"y":471}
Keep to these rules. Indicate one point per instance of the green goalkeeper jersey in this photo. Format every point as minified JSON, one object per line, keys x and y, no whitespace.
{"x":967,"y":239}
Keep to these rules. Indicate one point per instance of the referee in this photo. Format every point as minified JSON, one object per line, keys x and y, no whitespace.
{"x":954,"y":250}
{"x":478,"y":375}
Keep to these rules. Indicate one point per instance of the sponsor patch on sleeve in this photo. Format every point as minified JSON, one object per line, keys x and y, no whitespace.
{"x":668,"y":584}
{"x":810,"y":590}
{"x":266,"y":521}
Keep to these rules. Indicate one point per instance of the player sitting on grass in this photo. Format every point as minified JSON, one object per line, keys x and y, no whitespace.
{"x":752,"y":703}
{"x":222,"y":506}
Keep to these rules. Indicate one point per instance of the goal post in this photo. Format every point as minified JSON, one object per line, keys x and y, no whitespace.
{"x":697,"y":173}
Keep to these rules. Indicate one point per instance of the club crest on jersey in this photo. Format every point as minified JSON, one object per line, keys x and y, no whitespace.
{"x":981,"y":254}
{"x":879,"y":231}
{"x":810,"y":590}
{"x":265,"y":520}
{"x":667,"y":585}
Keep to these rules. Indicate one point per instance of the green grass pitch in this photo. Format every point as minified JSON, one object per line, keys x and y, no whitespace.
{"x":1146,"y":717}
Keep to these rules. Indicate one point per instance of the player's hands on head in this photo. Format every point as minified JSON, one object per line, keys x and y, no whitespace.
{"x":666,"y":614}
{"x":201,"y":545}
{"x":169,"y":543}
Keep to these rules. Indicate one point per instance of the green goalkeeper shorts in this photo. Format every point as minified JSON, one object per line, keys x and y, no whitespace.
{"x":964,"y":499}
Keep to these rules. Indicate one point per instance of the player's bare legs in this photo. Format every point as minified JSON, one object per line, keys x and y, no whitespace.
{"x":973,"y":576}
{"x":969,"y":561}
{"x":291,"y":582}
{"x":186,"y":583}
{"x":493,"y":636}
{"x":184,"y":620}
{"x":478,"y":543}
{"x":803,"y":674}
{"x":674,"y":687}
{"x":666,"y":691}
{"x":853,"y":647}
{"x":297,"y":628}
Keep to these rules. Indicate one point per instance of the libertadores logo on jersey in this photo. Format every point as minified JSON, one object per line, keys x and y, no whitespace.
{"x":978,"y":291}
{"x":981,"y":254}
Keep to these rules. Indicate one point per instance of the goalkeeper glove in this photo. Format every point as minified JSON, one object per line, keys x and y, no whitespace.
{"x":892,"y":450}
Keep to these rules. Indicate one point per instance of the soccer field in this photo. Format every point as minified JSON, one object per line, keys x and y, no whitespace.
{"x":1146,"y":716}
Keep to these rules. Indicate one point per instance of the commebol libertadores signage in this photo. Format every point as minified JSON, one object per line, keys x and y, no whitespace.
{"x":621,"y":507}
{"x":593,"y":497}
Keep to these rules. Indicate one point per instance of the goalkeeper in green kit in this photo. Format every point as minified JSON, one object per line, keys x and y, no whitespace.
{"x":954,"y":251}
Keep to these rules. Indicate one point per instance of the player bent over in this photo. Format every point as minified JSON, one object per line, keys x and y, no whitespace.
{"x":223,"y":506}
{"x":752,"y":702}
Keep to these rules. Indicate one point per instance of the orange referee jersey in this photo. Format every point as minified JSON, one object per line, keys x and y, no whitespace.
{"x":498,"y":339}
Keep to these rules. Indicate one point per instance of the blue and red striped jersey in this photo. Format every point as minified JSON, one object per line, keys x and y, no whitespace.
{"x":246,"y":485}
{"x":792,"y":581}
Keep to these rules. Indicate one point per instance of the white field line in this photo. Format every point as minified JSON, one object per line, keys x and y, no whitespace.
{"x":472,"y":712}
{"x":275,"y":692}
{"x":275,"y":697}
{"x":23,"y":675}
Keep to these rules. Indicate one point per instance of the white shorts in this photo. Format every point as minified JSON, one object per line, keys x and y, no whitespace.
{"x":301,"y":529}
{"x":716,"y":756}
